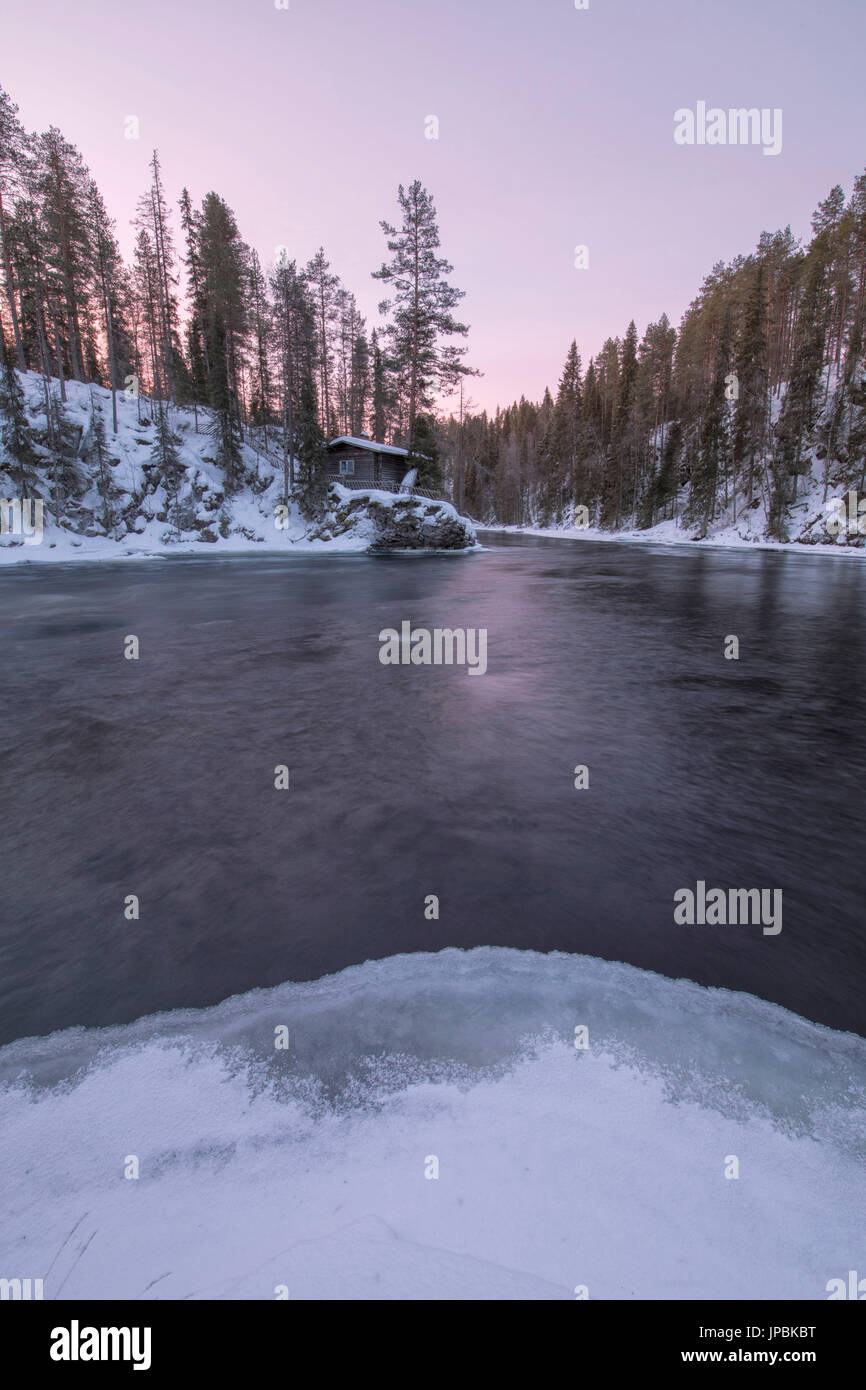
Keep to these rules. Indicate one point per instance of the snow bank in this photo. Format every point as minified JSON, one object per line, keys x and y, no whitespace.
{"x":262,"y":1169}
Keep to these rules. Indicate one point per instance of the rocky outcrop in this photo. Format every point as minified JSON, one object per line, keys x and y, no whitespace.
{"x":393,"y":522}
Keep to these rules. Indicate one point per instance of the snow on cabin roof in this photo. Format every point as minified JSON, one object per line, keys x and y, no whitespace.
{"x":369,"y":444}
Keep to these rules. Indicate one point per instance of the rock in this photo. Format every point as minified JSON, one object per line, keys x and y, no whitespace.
{"x":412,"y":525}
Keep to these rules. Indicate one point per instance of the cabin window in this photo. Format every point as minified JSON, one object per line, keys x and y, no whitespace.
{"x":347,"y":466}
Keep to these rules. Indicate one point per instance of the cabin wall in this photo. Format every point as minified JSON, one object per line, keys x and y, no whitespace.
{"x":391,"y":468}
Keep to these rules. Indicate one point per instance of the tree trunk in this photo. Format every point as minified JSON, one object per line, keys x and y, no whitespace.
{"x":59,"y":355}
{"x":10,"y":293}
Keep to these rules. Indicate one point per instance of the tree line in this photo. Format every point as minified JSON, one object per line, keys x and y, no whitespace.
{"x":764,"y":377}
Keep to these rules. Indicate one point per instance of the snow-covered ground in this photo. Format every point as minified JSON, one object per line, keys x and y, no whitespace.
{"x":263,"y":1171}
{"x":246,"y":521}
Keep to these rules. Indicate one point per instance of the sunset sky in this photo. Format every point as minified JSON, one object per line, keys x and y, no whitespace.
{"x":555,"y":129}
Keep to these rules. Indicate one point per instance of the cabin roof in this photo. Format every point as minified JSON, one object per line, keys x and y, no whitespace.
{"x":368,"y":444}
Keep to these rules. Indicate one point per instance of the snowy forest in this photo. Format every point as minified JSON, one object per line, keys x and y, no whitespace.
{"x":760,"y":392}
{"x":277,"y":357}
{"x":758,"y":396}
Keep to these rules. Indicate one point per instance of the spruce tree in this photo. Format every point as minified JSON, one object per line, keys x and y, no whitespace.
{"x":426,"y":457}
{"x":64,"y":474}
{"x":360,"y":384}
{"x":99,"y":452}
{"x":17,"y":455}
{"x":166,"y":459}
{"x":558,"y":453}
{"x":312,"y":483}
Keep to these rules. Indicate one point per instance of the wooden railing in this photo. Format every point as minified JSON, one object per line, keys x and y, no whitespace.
{"x":362,"y":485}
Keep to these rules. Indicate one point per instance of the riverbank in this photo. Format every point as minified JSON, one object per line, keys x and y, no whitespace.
{"x":112,"y":500}
{"x":742,"y":535}
{"x":353,"y":523}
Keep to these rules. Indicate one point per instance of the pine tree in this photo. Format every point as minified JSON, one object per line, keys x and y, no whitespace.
{"x":13,"y":146}
{"x":197,"y":350}
{"x":146,"y":276}
{"x":152,"y":218}
{"x":294,"y":340}
{"x":62,"y":181}
{"x":348,"y":326}
{"x":224,"y":260}
{"x":260,"y":412}
{"x":422,"y":321}
{"x":112,"y":291}
{"x":324,"y":288}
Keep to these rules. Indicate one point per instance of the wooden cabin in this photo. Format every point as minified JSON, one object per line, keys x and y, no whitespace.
{"x":361,"y":460}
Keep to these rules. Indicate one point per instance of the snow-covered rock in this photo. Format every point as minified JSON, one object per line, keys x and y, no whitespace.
{"x":389,"y":521}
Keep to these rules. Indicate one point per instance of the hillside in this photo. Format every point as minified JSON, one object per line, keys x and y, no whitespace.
{"x":819,"y":515}
{"x":106,"y":494}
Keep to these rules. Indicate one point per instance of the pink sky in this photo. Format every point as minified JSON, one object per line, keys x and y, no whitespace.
{"x":555,"y":128}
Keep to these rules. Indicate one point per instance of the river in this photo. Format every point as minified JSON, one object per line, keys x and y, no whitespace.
{"x":155,"y":777}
